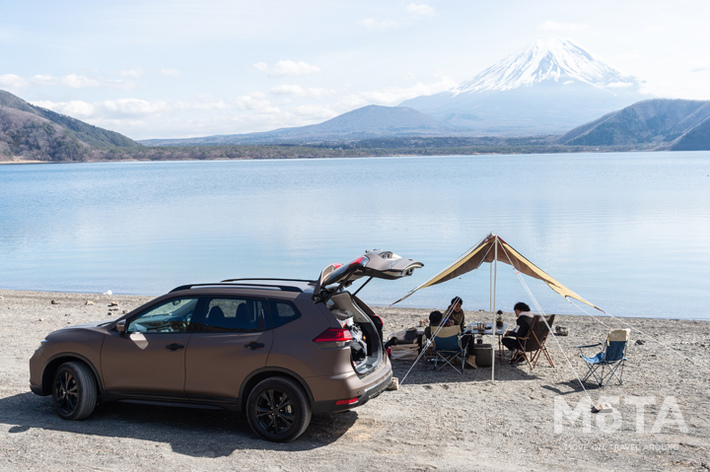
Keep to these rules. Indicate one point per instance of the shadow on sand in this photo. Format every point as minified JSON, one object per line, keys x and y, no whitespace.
{"x":421,"y":373}
{"x":189,"y":431}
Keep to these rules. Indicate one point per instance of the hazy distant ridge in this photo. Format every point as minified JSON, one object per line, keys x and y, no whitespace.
{"x":368,"y":122}
{"x":665,"y":123}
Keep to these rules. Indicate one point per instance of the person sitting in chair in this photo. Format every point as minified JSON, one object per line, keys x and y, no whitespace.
{"x":455,"y":312}
{"x":447,"y":329}
{"x":523,"y":322}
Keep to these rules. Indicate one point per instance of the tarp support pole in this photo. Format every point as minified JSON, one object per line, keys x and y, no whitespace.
{"x":493,"y":309}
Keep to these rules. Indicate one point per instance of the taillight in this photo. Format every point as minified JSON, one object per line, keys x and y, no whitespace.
{"x":349,"y":401}
{"x":334,"y":337}
{"x":377,"y":317}
{"x":362,"y":260}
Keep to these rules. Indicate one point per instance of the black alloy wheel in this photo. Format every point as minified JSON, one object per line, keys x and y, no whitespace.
{"x":277,"y":409}
{"x":74,"y":391}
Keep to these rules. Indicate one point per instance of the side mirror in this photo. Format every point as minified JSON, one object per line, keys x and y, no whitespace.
{"x":121,"y":327}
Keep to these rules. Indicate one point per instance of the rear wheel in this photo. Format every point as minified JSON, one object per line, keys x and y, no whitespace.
{"x":74,"y":391}
{"x":278,"y":410}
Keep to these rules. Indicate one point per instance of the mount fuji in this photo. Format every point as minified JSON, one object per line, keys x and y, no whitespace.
{"x":550,"y":87}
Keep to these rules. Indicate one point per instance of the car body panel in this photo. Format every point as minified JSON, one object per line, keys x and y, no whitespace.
{"x":144,"y":362}
{"x":217,"y":364}
{"x":73,"y":342}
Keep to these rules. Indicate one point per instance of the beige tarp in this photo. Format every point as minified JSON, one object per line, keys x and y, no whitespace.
{"x":486,"y":251}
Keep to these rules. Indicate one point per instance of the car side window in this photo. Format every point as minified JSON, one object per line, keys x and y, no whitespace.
{"x":283,"y":312}
{"x":172,"y":316}
{"x":234,"y":315}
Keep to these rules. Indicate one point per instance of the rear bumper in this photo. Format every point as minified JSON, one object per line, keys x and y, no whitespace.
{"x":358,"y":391}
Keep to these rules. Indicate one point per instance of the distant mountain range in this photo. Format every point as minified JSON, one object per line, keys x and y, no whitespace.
{"x":368,"y":122}
{"x":32,"y":132}
{"x":548,"y":88}
{"x":669,"y":124}
{"x":551,"y":94}
{"x":657,"y":124}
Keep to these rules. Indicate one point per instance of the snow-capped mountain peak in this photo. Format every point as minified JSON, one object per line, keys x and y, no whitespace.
{"x":547,"y":60}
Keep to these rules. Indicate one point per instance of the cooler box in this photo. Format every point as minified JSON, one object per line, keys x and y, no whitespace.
{"x":484,"y":355}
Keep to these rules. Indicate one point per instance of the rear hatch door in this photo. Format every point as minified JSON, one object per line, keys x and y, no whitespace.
{"x":375,"y":264}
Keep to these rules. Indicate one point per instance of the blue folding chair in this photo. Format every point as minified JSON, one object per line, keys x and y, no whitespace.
{"x":448,"y":351}
{"x":611,"y":358}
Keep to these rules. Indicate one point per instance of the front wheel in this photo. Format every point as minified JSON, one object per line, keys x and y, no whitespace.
{"x":74,"y":391}
{"x":278,"y":410}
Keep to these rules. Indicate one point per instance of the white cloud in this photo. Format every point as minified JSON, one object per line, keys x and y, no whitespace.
{"x":295,"y":68}
{"x":412,"y":13}
{"x":44,"y":80}
{"x":210,"y":105}
{"x":294,"y":90}
{"x":119,"y":84}
{"x":420,"y":9}
{"x":13,"y":81}
{"x":74,"y":108}
{"x":74,"y":81}
{"x":262,"y":66}
{"x":287,"y":68}
{"x":396,"y":95}
{"x":134,"y":107}
{"x":78,"y":81}
{"x":379,"y":24}
{"x":256,"y":101}
{"x":550,"y":25}
{"x":170,"y":72}
{"x":133,"y":73}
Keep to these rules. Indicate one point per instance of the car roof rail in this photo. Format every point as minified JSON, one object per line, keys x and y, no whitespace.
{"x":240,"y":283}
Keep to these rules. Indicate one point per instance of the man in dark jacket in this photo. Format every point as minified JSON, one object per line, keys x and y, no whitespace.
{"x":523,"y":322}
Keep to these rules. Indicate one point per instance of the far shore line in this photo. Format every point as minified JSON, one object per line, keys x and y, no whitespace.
{"x":25,"y":161}
{"x":421,"y":311}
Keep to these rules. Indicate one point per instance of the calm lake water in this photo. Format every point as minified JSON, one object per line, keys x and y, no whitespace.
{"x":630,"y":232}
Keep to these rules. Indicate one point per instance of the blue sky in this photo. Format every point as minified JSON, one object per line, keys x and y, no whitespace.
{"x":170,"y":69}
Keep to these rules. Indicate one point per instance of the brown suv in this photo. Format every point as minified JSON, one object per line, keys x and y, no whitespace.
{"x":276,"y":349}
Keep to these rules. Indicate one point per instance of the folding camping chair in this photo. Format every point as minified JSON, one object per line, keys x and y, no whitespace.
{"x":533,"y":344}
{"x":613,"y":357}
{"x":448,"y":351}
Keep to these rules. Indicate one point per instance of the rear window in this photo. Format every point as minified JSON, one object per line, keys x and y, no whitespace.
{"x":283,"y":312}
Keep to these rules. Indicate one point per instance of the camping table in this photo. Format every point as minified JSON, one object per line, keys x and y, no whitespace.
{"x":499,"y":332}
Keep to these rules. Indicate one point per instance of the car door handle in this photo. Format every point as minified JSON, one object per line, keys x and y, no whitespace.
{"x":174,"y":347}
{"x":254,"y":345}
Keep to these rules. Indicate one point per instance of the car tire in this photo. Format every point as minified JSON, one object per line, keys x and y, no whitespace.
{"x":278,"y":410}
{"x":74,"y":391}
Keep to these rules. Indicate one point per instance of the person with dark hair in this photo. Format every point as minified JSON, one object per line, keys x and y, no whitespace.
{"x":455,"y":312}
{"x":523,"y":322}
{"x":449,"y":328}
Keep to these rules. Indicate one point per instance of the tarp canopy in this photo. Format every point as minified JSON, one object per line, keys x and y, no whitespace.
{"x":486,"y":251}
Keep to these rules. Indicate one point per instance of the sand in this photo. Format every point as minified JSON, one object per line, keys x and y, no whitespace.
{"x":524,"y":420}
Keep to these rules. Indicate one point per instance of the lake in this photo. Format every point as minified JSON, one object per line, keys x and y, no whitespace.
{"x":630,"y":232}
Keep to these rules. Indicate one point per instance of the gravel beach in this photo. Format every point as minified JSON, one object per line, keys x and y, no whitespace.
{"x":436,"y":421}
